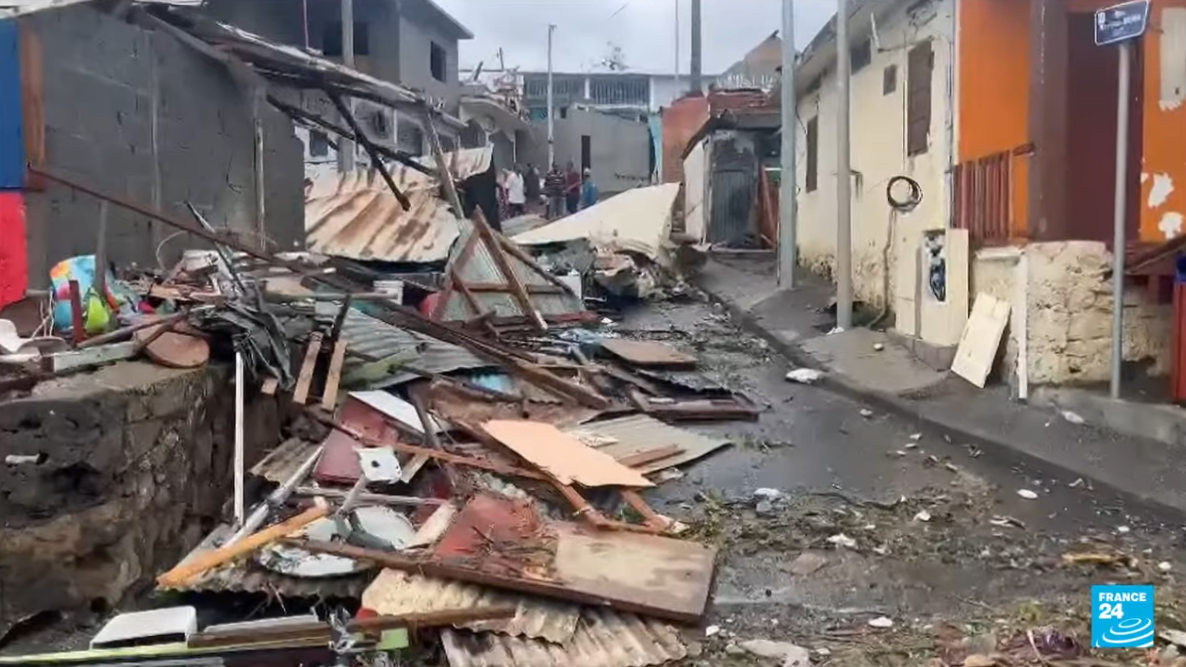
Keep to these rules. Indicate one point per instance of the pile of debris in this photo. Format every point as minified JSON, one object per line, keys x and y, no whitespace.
{"x":468,"y":457}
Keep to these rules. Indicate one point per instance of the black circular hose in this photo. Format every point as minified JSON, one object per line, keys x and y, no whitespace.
{"x":911,"y":202}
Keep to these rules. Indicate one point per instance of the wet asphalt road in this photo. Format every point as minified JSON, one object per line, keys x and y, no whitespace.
{"x":828,"y":456}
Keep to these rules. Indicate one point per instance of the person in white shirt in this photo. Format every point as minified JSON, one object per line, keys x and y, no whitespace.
{"x":516,"y":195}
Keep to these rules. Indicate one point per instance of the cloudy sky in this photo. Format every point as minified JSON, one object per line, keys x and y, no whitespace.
{"x":644,"y":29}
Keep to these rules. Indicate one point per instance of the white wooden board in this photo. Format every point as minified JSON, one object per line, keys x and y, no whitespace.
{"x":981,"y":338}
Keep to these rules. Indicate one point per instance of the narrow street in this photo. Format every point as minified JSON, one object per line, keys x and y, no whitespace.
{"x":936,"y":537}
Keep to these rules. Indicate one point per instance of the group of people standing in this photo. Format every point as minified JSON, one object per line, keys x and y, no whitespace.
{"x":560,"y":192}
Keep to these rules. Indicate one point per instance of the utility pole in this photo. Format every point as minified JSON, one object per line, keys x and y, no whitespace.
{"x":696,"y":73}
{"x":1118,"y":214}
{"x":345,"y":146}
{"x":788,"y":251}
{"x":843,"y":176}
{"x":551,"y":111}
{"x":677,"y":90}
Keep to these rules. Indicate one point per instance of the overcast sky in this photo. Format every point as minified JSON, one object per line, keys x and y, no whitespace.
{"x":644,"y":29}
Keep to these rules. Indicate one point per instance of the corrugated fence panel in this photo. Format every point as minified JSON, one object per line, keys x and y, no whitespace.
{"x":12,"y":141}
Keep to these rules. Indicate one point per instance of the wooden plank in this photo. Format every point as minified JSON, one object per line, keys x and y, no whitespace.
{"x":504,"y":266}
{"x":77,"y":323}
{"x":647,"y":353}
{"x":184,"y":572}
{"x":270,"y":386}
{"x":62,"y":362}
{"x":329,"y":398}
{"x":562,"y":456}
{"x":633,"y":572}
{"x":32,"y":103}
{"x":982,"y":336}
{"x":648,"y":514}
{"x":305,"y":378}
{"x":646,"y":458}
{"x":171,"y":349}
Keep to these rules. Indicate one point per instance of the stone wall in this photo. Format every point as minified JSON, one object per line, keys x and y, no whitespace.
{"x":1068,"y":312}
{"x":135,"y":468}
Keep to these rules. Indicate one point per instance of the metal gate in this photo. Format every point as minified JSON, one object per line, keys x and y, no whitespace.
{"x":733,"y":194}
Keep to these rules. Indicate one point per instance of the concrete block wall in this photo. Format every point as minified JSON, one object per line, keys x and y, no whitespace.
{"x":135,"y":469}
{"x":139,"y":114}
{"x":1065,"y":307}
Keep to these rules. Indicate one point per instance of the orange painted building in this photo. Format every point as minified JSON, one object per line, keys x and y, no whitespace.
{"x":1034,"y":91}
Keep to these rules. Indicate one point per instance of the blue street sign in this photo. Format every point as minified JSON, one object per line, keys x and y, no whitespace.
{"x":1121,"y":22}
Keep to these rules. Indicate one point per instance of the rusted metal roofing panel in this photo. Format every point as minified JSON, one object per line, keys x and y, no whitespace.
{"x":640,"y":433}
{"x":604,"y":638}
{"x":245,"y":576}
{"x":361,"y":219}
{"x":394,"y":592}
{"x":355,"y":215}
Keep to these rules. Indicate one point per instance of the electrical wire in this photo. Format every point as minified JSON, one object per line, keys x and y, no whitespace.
{"x":904,"y":205}
{"x":897,"y":207}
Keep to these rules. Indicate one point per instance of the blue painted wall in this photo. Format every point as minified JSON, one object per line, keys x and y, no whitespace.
{"x":12,"y":142}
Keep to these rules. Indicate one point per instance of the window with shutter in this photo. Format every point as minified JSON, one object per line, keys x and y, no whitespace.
{"x":919,"y":67}
{"x":813,"y":154}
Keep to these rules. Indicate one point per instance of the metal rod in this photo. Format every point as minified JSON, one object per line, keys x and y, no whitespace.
{"x":101,"y":255}
{"x":788,"y":179}
{"x":551,"y":101}
{"x":276,"y":499}
{"x":677,"y":90}
{"x":240,"y":460}
{"x":1118,"y":218}
{"x":695,"y":73}
{"x":373,"y":153}
{"x":346,"y":146}
{"x":843,"y":175}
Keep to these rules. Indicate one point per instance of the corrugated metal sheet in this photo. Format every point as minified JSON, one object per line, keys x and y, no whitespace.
{"x":245,"y":576}
{"x":394,"y":592}
{"x":282,"y":462}
{"x":371,"y":339}
{"x":637,"y":220}
{"x":356,"y":216}
{"x":360,"y":219}
{"x":482,"y":268}
{"x":639,"y":433}
{"x":604,"y":638}
{"x":22,"y":7}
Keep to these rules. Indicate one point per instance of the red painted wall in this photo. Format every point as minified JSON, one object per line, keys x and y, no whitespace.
{"x":680,"y":122}
{"x":14,"y":257}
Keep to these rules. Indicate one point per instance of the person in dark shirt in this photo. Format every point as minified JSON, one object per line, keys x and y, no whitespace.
{"x":531,"y":187}
{"x":572,"y":188}
{"x":554,"y":189}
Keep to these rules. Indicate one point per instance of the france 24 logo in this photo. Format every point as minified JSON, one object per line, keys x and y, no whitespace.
{"x":1122,"y":616}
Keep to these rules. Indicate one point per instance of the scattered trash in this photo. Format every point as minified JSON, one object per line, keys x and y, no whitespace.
{"x":1076,"y":484}
{"x":790,"y":654}
{"x":712,"y":631}
{"x":805,"y":376}
{"x":878,"y":347}
{"x":1165,"y":566}
{"x":842,"y":540}
{"x":881,"y":622}
{"x":916,"y":437}
{"x":866,"y":413}
{"x":1123,"y":530}
{"x":911,"y":445}
{"x":977,"y":660}
{"x":1007,"y":522}
{"x":768,"y":494}
{"x":1073,"y":417}
{"x":1175,"y":637}
{"x":923,"y":516}
{"x":1027,"y":494}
